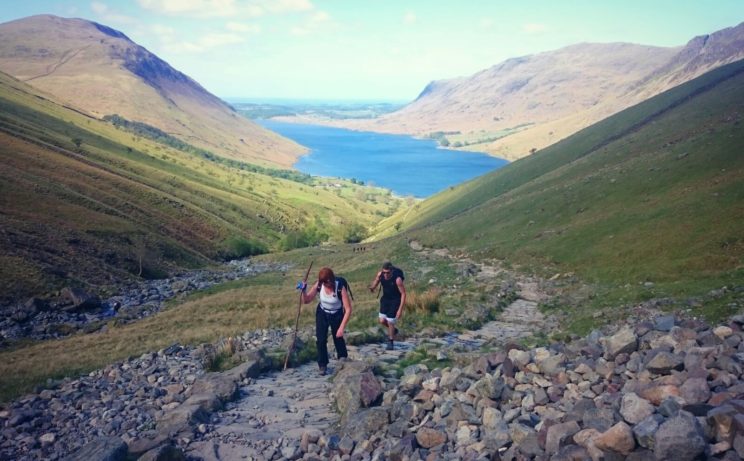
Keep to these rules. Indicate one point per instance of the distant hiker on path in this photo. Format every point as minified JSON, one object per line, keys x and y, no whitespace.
{"x":393,"y":298}
{"x":334,"y":310}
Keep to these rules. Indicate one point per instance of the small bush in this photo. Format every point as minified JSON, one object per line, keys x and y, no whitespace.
{"x":310,"y":236}
{"x":223,"y":356}
{"x":240,"y":247}
{"x":424,"y":303}
{"x":355,"y":233}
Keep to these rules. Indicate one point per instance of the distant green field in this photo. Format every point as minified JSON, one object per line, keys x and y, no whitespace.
{"x":473,"y":138}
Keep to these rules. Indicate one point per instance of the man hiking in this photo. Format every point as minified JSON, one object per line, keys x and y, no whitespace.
{"x":393,"y":298}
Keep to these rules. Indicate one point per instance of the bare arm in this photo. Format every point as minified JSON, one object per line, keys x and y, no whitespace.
{"x":309,"y":295}
{"x":375,"y":282}
{"x":402,"y":289}
{"x":347,"y":312}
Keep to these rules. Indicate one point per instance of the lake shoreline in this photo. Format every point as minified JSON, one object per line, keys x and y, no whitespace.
{"x":423,"y":167}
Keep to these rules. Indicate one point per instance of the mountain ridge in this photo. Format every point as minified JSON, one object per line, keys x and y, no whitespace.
{"x":101,"y":71}
{"x":526,"y":103}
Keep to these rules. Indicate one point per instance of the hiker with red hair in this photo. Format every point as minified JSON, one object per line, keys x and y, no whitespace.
{"x":334,"y":310}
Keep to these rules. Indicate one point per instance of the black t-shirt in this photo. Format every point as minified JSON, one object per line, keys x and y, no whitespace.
{"x":390,"y":289}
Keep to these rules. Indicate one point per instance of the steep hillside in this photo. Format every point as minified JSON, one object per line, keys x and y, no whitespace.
{"x":652,"y":196}
{"x":101,"y":71}
{"x":527,"y":103}
{"x":85,"y":202}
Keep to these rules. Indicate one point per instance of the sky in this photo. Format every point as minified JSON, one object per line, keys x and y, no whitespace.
{"x":373,"y":50}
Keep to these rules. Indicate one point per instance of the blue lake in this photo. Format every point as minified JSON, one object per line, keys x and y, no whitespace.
{"x":403,"y":164}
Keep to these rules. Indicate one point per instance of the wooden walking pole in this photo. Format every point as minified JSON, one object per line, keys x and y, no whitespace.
{"x":297,"y":322}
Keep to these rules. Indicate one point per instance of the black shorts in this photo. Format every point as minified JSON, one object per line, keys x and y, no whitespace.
{"x":389,"y":307}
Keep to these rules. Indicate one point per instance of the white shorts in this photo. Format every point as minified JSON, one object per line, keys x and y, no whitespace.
{"x":386,"y":318}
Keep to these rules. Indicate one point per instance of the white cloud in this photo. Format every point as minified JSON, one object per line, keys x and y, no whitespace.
{"x":107,"y":15}
{"x":314,"y":22}
{"x":409,"y":18}
{"x":226,"y":8}
{"x":288,"y":6}
{"x":243,"y":28}
{"x":173,"y":43}
{"x":198,"y":8}
{"x":533,"y":28}
{"x":203,"y":44}
{"x":486,"y":23}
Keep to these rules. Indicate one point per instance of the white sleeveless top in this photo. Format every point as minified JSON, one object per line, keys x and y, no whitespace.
{"x":330,"y":303}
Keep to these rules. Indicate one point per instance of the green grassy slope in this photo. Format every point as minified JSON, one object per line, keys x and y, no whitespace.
{"x":652,"y":194}
{"x":84,"y":202}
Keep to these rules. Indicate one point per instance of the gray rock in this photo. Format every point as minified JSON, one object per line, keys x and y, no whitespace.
{"x":645,"y":431}
{"x":489,"y":387}
{"x":101,"y":449}
{"x":428,"y":437}
{"x":355,"y":387}
{"x":624,"y":340}
{"x":669,"y":407}
{"x":366,"y":422}
{"x":664,"y":362}
{"x":552,"y":364}
{"x":164,"y":453}
{"x":680,"y":438}
{"x":695,"y":390}
{"x":664,"y":323}
{"x":403,"y":449}
{"x":635,"y":409}
{"x":558,"y":434}
{"x":600,"y":419}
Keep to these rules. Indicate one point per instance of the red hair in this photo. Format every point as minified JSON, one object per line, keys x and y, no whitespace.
{"x":326,"y":275}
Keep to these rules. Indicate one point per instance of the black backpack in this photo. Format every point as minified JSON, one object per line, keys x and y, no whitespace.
{"x":342,"y":283}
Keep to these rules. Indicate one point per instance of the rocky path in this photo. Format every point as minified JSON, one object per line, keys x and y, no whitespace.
{"x":278,"y":409}
{"x":128,"y":401}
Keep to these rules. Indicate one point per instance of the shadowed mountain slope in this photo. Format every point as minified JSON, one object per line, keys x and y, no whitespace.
{"x":101,"y":71}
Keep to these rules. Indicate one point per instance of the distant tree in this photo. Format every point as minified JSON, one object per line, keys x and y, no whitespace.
{"x":444,"y":142}
{"x":355,"y":233}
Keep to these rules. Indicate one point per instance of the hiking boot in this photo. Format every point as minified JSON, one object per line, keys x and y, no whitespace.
{"x":389,"y":345}
{"x":322,"y":371}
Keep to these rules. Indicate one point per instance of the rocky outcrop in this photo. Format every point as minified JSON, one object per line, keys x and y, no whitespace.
{"x":76,"y":310}
{"x":146,"y":404}
{"x":650,"y":390}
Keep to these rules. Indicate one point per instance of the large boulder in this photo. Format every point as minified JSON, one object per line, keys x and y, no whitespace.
{"x":79,"y":300}
{"x":355,"y":387}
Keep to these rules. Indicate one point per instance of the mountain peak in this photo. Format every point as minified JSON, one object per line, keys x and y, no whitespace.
{"x":100,"y":70}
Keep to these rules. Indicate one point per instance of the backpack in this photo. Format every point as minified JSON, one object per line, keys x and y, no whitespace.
{"x":341,"y":282}
{"x":396,"y":273}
